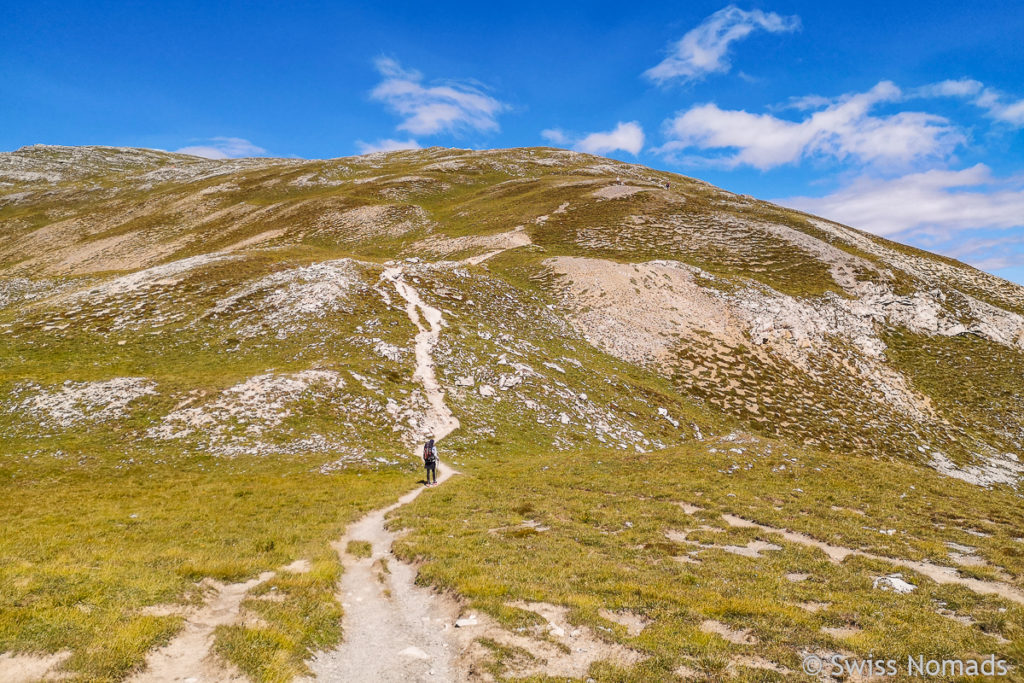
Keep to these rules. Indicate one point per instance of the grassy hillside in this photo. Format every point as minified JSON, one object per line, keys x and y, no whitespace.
{"x":205,"y":374}
{"x":644,"y":535}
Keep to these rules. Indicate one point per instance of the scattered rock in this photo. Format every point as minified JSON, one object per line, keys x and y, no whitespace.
{"x":466,"y":622}
{"x":83,"y":402}
{"x":506,"y":382}
{"x":894,"y":583}
{"x":751,"y":549}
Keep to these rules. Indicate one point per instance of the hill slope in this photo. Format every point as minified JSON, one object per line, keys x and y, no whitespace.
{"x":219,"y":349}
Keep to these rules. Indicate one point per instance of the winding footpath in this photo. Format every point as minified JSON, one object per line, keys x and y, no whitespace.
{"x":439,"y":420}
{"x":393,"y":629}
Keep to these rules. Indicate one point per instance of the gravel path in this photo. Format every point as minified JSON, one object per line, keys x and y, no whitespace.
{"x":393,"y":629}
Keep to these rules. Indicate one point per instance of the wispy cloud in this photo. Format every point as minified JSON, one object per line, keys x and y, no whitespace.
{"x":626,"y":137}
{"x":936,"y":201}
{"x":223,"y":148}
{"x":386,"y":145}
{"x":843,"y":128}
{"x":997,"y":105}
{"x":968,"y":214}
{"x":991,"y":254}
{"x":999,"y":108}
{"x":450,"y":106}
{"x":951,"y":88}
{"x":556,"y":136}
{"x":705,"y":49}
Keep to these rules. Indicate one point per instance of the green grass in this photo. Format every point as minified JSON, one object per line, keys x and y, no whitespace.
{"x":101,"y":522}
{"x":607,"y":515}
{"x":359,"y":549}
{"x":976,"y":384}
{"x":296,"y":615}
{"x":85,"y":550}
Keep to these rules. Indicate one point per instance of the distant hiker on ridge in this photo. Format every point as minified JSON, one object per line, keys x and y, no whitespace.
{"x":430,"y":460}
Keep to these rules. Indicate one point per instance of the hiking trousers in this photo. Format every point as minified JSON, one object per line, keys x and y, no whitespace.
{"x":431,"y":470}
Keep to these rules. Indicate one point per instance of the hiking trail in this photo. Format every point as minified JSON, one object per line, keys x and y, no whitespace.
{"x":187,"y":656}
{"x":393,"y":629}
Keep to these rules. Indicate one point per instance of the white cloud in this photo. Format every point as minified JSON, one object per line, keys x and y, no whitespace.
{"x":555,"y":136}
{"x":1012,"y":113}
{"x":704,"y":50}
{"x":428,"y":110}
{"x":1001,"y":110}
{"x":386,"y":145}
{"x":938,"y":202}
{"x":223,"y":148}
{"x":950,"y":88}
{"x":843,"y":129}
{"x":998,"y":105}
{"x":628,"y":137}
{"x":806,"y":102}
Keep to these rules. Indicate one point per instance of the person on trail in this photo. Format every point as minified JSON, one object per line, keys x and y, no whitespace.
{"x":430,"y":460}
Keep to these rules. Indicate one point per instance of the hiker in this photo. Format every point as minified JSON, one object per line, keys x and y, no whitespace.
{"x":430,"y":460}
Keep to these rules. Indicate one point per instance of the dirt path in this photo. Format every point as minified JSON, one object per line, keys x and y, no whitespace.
{"x":30,"y":668}
{"x":477,"y":260}
{"x":509,"y":240}
{"x":393,"y":629}
{"x":187,"y":656}
{"x":439,"y":420}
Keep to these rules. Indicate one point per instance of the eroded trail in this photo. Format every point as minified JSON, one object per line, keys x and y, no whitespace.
{"x":393,"y":629}
{"x":937,"y":573}
{"x":187,"y":657}
{"x":439,"y":420}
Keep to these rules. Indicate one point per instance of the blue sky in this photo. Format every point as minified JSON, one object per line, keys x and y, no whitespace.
{"x":906,"y":119}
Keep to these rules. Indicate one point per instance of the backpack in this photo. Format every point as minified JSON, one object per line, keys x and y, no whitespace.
{"x":429,"y":452}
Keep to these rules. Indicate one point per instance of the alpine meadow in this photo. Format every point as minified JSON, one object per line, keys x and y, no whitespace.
{"x":684,"y":434}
